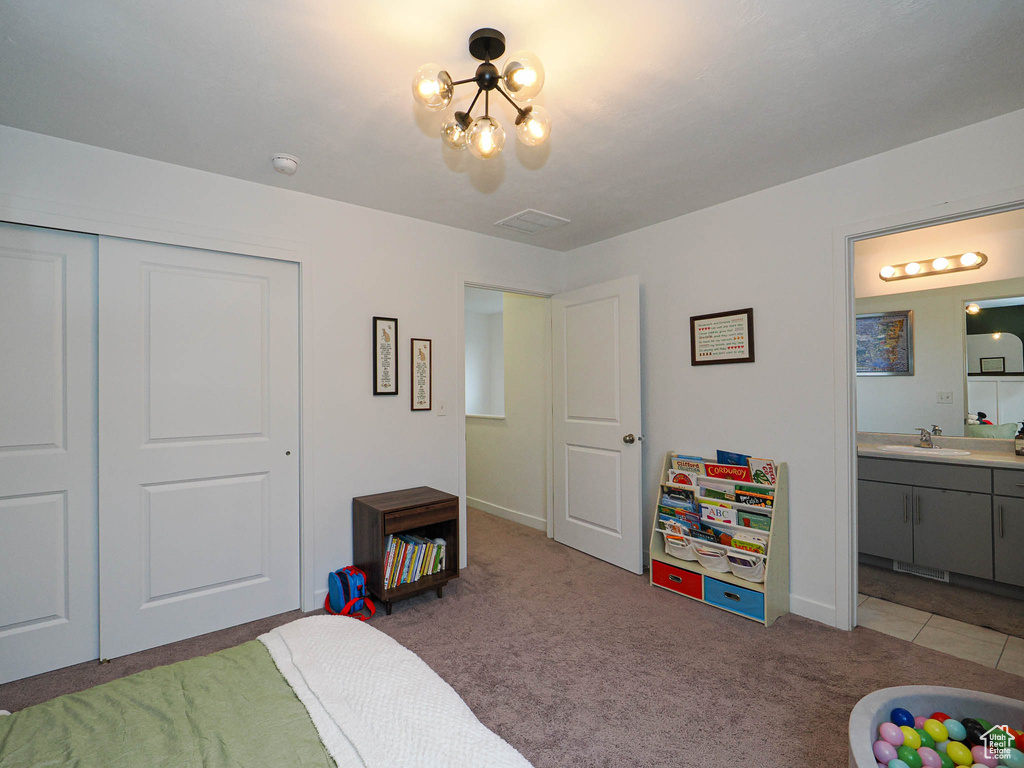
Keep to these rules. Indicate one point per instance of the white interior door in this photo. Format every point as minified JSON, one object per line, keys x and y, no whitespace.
{"x":48,"y":603}
{"x":596,"y":402}
{"x":198,"y":442}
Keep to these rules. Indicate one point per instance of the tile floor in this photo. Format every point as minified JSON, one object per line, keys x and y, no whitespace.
{"x":984,"y":646}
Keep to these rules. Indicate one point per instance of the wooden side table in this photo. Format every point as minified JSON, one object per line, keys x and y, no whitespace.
{"x":422,"y":511}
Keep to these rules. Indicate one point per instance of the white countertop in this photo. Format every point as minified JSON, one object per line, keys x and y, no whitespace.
{"x":984,"y":452}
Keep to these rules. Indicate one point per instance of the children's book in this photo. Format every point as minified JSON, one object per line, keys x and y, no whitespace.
{"x":755,"y":499}
{"x":762,"y":471}
{"x":728,"y":472}
{"x":688,"y":463}
{"x":753,"y":520}
{"x":729,"y":457}
{"x":682,"y":477}
{"x":717,"y":514}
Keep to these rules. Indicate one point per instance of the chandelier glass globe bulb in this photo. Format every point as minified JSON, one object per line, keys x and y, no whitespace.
{"x":536,"y":128}
{"x":486,"y":137}
{"x":432,"y":87}
{"x":454,"y":135}
{"x":523,"y":75}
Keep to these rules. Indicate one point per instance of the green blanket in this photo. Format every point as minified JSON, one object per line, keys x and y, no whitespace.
{"x":231,"y":708}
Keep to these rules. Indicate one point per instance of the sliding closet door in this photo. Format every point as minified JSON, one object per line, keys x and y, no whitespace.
{"x":47,"y":450}
{"x":198,"y":442}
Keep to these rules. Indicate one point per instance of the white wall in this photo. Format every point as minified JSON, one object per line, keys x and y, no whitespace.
{"x":1008,"y":345}
{"x":507,"y":460}
{"x":773,"y":251}
{"x":485,"y":372}
{"x":364,"y":263}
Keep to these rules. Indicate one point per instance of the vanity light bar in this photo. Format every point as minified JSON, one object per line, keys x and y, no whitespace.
{"x":940,"y":266}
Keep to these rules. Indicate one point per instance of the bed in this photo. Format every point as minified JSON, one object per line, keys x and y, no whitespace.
{"x":320,"y":692}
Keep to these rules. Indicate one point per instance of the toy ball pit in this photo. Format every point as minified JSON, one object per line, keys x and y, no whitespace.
{"x":923,"y":700}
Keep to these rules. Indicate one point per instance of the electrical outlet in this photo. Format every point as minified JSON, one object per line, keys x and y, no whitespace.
{"x":442,"y":407}
{"x":944,"y":397}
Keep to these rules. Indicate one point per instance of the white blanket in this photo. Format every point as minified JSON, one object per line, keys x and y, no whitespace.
{"x":377,"y":704}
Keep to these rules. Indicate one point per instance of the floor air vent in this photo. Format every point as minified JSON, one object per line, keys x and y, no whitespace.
{"x":531,"y":222}
{"x":921,"y":570}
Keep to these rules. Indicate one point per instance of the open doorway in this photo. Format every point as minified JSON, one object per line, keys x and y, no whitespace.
{"x":507,"y":389}
{"x":939,"y":398}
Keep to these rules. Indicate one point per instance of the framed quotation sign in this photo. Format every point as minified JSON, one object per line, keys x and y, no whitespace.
{"x":722,"y":337}
{"x":421,"y":374}
{"x":385,"y":361}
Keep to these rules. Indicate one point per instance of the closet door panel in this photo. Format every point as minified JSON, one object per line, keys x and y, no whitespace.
{"x":199,"y":472}
{"x":48,"y":560}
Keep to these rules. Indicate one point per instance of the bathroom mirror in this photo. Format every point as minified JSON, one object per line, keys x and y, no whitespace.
{"x":963,"y":363}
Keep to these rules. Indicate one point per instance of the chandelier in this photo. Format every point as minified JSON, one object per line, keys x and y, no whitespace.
{"x":520,"y":80}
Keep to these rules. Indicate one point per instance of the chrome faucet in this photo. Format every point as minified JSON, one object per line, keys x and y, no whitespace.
{"x":926,"y":438}
{"x":936,"y":430}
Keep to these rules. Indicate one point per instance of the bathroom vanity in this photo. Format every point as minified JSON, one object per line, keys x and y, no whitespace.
{"x":943,"y":510}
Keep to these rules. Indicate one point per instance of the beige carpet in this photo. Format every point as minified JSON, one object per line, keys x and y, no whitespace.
{"x":578,"y":663}
{"x":1003,"y":614}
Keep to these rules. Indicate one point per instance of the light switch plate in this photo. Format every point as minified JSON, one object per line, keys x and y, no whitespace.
{"x":442,"y":408}
{"x":944,"y":397}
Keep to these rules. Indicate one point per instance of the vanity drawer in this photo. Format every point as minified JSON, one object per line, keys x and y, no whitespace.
{"x":927,"y":475}
{"x":1008,"y":482}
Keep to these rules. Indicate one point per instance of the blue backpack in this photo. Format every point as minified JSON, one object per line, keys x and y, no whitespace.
{"x":346,"y":594}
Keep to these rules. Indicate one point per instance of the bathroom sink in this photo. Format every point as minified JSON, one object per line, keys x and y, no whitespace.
{"x":917,"y":451}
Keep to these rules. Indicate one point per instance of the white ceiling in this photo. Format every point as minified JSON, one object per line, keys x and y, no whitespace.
{"x":659,"y":107}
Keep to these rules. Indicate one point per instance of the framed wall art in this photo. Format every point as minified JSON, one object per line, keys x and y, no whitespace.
{"x":421,"y":374}
{"x":722,"y":337}
{"x":385,"y":361}
{"x":885,"y":343}
{"x":992,"y":364}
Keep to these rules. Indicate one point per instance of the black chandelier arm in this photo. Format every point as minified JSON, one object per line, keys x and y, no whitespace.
{"x":463,"y":82}
{"x":522,"y":112}
{"x":473,"y":102}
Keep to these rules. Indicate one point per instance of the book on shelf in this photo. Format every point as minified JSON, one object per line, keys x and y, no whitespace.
{"x":409,"y":557}
{"x":762,"y":471}
{"x":733,"y":458}
{"x":728,"y":472}
{"x":693,"y":464}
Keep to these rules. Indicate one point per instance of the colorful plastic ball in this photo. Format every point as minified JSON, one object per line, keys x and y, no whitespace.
{"x":940,"y":716}
{"x":956,"y":729}
{"x":901,"y":716}
{"x":919,"y":721}
{"x":936,"y":730}
{"x":926,"y":739}
{"x":910,"y":757}
{"x":897,"y":763}
{"x":930,"y":758}
{"x":1015,"y":759}
{"x":910,"y":737}
{"x":884,"y":751}
{"x":959,"y":754}
{"x":974,"y":731}
{"x":981,"y":756}
{"x":891,"y":733}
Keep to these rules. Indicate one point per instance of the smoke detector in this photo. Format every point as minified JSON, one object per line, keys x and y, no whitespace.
{"x":286,"y":164}
{"x":531,"y":222}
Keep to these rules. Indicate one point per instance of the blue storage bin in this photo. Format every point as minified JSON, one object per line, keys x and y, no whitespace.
{"x":733,"y":598}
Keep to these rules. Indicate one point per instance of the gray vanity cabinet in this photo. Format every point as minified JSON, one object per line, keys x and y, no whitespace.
{"x":953,"y":531}
{"x":884,"y":528}
{"x":1009,"y":540}
{"x":936,"y":515}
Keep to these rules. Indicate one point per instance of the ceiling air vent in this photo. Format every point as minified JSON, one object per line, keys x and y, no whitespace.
{"x":531,"y":222}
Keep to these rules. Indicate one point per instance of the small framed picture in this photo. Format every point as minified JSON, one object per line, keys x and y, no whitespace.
{"x":722,"y":337}
{"x":385,"y":361}
{"x":421,"y":374}
{"x":992,"y":364}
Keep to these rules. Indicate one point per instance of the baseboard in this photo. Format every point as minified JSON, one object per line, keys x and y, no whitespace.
{"x":509,"y":514}
{"x":319,"y":596}
{"x":812,"y":609}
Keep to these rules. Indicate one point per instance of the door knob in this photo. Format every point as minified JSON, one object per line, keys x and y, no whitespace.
{"x":629,"y":439}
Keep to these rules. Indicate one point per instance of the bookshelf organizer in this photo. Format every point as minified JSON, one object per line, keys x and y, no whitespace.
{"x":423,"y":511}
{"x":761,"y":602}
